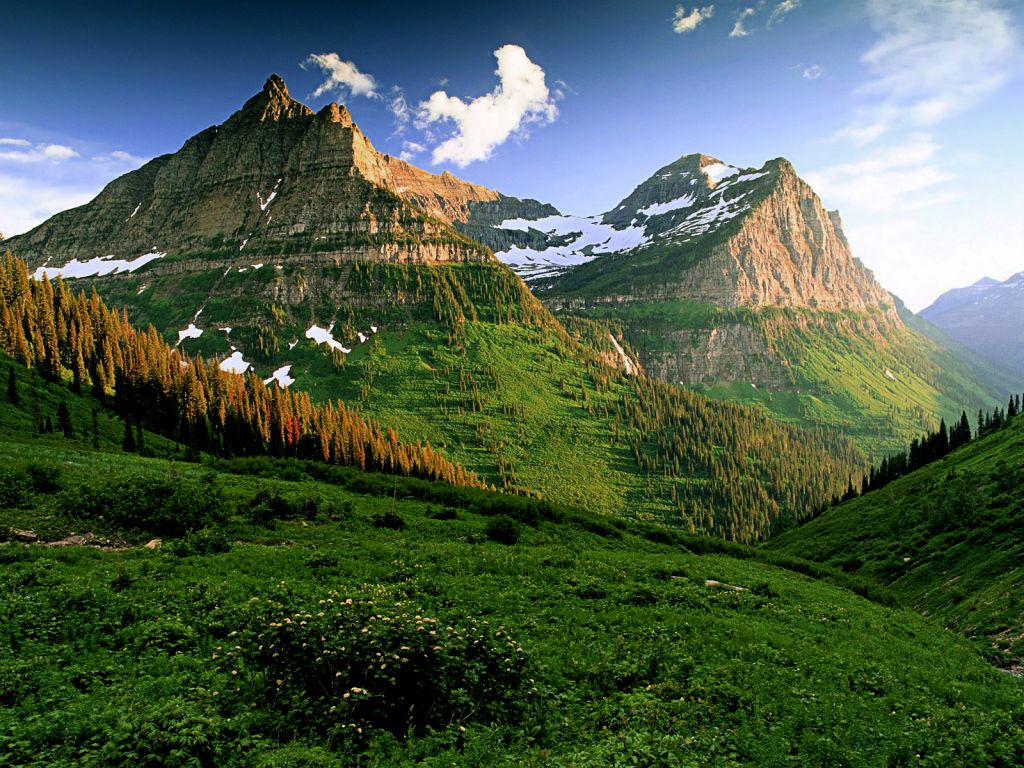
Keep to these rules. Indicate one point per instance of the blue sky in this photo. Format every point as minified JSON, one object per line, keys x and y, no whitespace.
{"x":904,"y":114}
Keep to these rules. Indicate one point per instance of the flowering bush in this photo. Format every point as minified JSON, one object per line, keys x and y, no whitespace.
{"x":353,"y":664}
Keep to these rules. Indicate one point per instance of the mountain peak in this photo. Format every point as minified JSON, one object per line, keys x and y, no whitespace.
{"x":273,"y":103}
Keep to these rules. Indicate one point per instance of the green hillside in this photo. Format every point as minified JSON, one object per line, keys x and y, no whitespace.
{"x":586,"y":642}
{"x":944,"y":540}
{"x":832,"y":370}
{"x":465,"y":361}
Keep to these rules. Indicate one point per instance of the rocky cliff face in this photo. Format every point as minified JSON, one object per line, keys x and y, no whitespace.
{"x":274,"y":179}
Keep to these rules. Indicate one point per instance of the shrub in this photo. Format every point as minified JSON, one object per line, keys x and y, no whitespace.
{"x":502,"y":529}
{"x":13,"y":489}
{"x":44,"y":476}
{"x":388,"y":519}
{"x":169,"y":506}
{"x":354,"y":664}
{"x":444,"y":513}
{"x":208,"y":541}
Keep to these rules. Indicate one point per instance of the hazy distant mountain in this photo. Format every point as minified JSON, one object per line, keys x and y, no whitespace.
{"x":985,"y":317}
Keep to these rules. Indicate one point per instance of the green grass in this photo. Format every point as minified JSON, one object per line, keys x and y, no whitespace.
{"x":944,"y":540}
{"x":525,"y":422}
{"x":108,"y":657}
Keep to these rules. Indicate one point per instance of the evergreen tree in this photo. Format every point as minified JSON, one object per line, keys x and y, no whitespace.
{"x":128,"y":440}
{"x":64,"y":420}
{"x":48,"y":426}
{"x":12,"y":386}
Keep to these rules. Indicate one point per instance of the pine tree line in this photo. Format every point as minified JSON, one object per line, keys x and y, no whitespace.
{"x":931,"y":447}
{"x":77,"y":338}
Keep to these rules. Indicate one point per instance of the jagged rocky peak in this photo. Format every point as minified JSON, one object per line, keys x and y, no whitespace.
{"x":275,"y":177}
{"x":272,"y":103}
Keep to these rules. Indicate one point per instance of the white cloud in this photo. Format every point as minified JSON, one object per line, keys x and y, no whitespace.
{"x":889,"y":178}
{"x":813,"y":72}
{"x":342,"y":76}
{"x":410,"y":149}
{"x":687,"y":22}
{"x":41,"y":179}
{"x":58,"y":152}
{"x":25,"y":152}
{"x":520,"y":98}
{"x":931,"y":61}
{"x":738,"y":30}
{"x":780,"y":10}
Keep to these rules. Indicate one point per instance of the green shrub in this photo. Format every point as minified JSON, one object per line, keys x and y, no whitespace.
{"x":14,"y":487}
{"x":355,"y":664}
{"x":44,"y":476}
{"x":207,"y":541}
{"x":169,"y":506}
{"x":388,"y":519}
{"x":502,"y":529}
{"x":444,"y":513}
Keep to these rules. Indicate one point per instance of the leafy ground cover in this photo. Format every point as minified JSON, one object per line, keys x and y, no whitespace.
{"x":322,"y":616}
{"x":944,"y":539}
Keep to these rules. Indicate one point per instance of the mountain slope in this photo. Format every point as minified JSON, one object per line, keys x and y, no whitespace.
{"x":587,"y":643}
{"x":282,"y":242}
{"x":739,"y":283}
{"x":986,"y":318}
{"x":944,"y":539}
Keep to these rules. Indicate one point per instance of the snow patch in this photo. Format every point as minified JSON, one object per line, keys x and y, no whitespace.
{"x":134,"y":212}
{"x":234,"y":364}
{"x":373,"y":329}
{"x":362,"y":338}
{"x":656,"y":209}
{"x":890,"y":375}
{"x":264,"y":204}
{"x":323,"y":336}
{"x":226,"y":329}
{"x":291,"y":344}
{"x":591,"y":238}
{"x":189,"y":333}
{"x":141,"y":289}
{"x":257,"y":266}
{"x":281,"y":377}
{"x":240,"y":248}
{"x":718,"y":171}
{"x":97,"y":267}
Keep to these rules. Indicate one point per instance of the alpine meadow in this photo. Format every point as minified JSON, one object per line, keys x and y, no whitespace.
{"x":322,"y":450}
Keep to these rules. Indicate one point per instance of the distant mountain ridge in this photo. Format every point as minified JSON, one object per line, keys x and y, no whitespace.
{"x":985,"y":317}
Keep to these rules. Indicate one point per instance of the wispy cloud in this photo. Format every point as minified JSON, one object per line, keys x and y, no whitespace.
{"x":738,"y":28}
{"x":896,"y":177}
{"x":399,"y":109}
{"x":931,"y":61}
{"x":39,"y":179}
{"x":521,"y":98}
{"x":780,"y":10}
{"x":342,"y":76}
{"x":683,"y":22}
{"x":813,"y":72}
{"x":410,"y":149}
{"x":25,"y":152}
